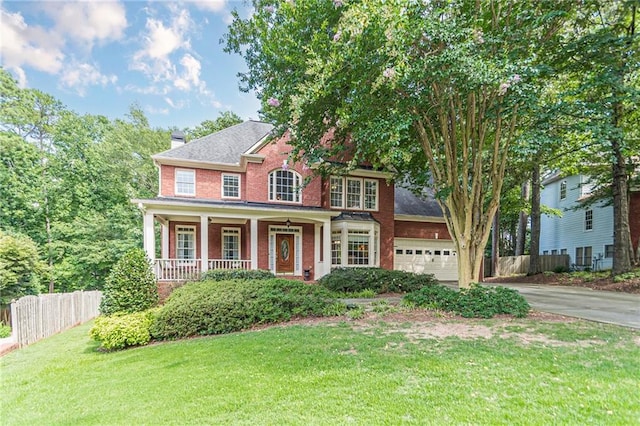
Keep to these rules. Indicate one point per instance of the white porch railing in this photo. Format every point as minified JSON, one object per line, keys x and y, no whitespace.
{"x":229,"y":264}
{"x":182,"y":270}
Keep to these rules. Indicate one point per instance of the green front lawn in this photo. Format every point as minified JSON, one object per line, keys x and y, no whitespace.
{"x":528,"y":372}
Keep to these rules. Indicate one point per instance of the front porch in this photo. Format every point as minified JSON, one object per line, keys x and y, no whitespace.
{"x":185,"y":239}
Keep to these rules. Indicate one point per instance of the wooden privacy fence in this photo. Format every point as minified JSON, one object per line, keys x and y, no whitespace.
{"x":513,"y":265}
{"x":35,"y":317}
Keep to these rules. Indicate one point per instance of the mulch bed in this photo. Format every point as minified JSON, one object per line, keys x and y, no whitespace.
{"x":606,"y":284}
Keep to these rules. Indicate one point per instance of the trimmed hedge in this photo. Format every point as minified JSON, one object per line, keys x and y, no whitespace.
{"x":217,"y":307}
{"x":122,"y":330}
{"x":475,"y":302}
{"x":236,"y":274}
{"x":352,"y":280}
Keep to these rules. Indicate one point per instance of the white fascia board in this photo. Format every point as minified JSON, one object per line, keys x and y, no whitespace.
{"x":258,"y":145}
{"x":416,"y":218}
{"x":370,"y":173}
{"x":195,"y":164}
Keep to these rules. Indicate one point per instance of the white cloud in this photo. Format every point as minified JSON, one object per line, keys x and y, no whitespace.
{"x":175,"y":105}
{"x":89,"y":21}
{"x":79,"y":76}
{"x":32,"y":46}
{"x":156,"y":111}
{"x":190,"y":76}
{"x":210,"y":5}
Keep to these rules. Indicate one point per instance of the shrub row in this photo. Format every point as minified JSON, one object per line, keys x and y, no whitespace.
{"x":475,"y":302}
{"x":352,"y":280}
{"x":216,"y":307}
{"x":236,"y":274}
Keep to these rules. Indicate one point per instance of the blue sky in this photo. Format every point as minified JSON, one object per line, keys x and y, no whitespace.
{"x":99,"y":57}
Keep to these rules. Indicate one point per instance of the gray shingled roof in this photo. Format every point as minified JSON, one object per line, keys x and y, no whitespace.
{"x":225,"y":146}
{"x":408,"y":203}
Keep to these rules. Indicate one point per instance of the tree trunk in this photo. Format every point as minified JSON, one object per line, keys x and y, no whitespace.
{"x":622,"y":246}
{"x":495,"y":246}
{"x":534,"y":265}
{"x":523,"y":219}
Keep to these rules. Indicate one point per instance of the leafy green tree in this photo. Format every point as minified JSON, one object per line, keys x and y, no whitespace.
{"x":431,"y":89}
{"x":20,"y":267}
{"x":224,"y":120}
{"x":131,"y":285}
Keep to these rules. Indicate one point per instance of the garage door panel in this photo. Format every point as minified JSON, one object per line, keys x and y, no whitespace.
{"x":421,"y":256}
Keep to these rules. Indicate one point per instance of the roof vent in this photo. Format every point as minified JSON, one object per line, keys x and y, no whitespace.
{"x":177,"y":139}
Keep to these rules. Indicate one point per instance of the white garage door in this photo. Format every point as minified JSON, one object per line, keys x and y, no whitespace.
{"x":437,"y":257}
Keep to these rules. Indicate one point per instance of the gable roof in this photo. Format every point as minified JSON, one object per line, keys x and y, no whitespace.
{"x":223,"y":147}
{"x":406,"y":203}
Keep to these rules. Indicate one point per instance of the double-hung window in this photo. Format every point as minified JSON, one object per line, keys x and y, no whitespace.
{"x":185,"y":182}
{"x":563,"y":189}
{"x":285,"y":185}
{"x":583,"y":256}
{"x":231,"y":243}
{"x":186,"y":242}
{"x":588,"y":220}
{"x":230,"y":186}
{"x":353,"y":193}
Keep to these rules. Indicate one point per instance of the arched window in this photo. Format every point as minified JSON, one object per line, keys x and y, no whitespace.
{"x":285,"y":185}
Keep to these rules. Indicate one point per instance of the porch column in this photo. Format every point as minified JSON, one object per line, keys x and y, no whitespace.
{"x":317,"y":250}
{"x":204,"y":242}
{"x":149,"y":236}
{"x":164,"y":253}
{"x":254,"y":244}
{"x":326,"y":250}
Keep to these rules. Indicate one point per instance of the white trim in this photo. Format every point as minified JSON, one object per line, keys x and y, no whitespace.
{"x":204,"y":242}
{"x":254,"y":244}
{"x":343,"y":227}
{"x":149,"y":236}
{"x":222,"y":186}
{"x":418,"y":218}
{"x":272,"y":186}
{"x":175,"y":181}
{"x":296,"y":231}
{"x":345,"y":193}
{"x":164,"y":227}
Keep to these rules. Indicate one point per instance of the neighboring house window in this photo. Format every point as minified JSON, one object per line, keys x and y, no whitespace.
{"x":545,"y":252}
{"x":284,"y":185}
{"x":336,"y":248}
{"x":186,"y":242}
{"x":608,"y":251}
{"x":185,"y":182}
{"x":563,"y":189}
{"x":230,"y":186}
{"x":554,"y":251}
{"x":353,"y":193}
{"x":586,"y":186}
{"x":563,"y":251}
{"x":336,"y":192}
{"x":583,"y":256}
{"x":230,"y":243}
{"x":588,"y":220}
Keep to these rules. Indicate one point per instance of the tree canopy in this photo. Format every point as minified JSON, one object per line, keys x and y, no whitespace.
{"x":432,"y":90}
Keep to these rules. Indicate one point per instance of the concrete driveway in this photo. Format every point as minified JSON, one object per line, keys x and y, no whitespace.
{"x":601,"y":306}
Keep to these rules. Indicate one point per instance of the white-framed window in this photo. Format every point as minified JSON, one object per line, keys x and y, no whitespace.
{"x":230,"y":185}
{"x":563,"y":189}
{"x":231,"y":243}
{"x":336,"y":248}
{"x":563,"y":251}
{"x":555,"y":251}
{"x":285,"y":185}
{"x":588,"y":220}
{"x":185,"y":182}
{"x":186,"y":242}
{"x":586,"y":186}
{"x":353,"y":193}
{"x":355,"y":244}
{"x":336,"y":192}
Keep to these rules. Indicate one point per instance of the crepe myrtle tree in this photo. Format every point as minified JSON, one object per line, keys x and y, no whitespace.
{"x":431,"y":90}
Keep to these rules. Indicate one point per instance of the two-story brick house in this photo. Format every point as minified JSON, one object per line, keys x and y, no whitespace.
{"x":585,"y":230}
{"x":234,"y":199}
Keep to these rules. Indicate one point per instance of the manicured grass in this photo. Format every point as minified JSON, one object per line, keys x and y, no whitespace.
{"x":376,"y":373}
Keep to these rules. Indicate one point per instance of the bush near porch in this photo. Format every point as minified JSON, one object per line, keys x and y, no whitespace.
{"x":354,"y":280}
{"x":218,"y":307}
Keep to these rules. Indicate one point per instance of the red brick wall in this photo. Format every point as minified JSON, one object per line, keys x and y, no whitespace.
{"x":634,"y":218}
{"x":384,"y":216}
{"x":208,"y":182}
{"x":407,"y":229}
